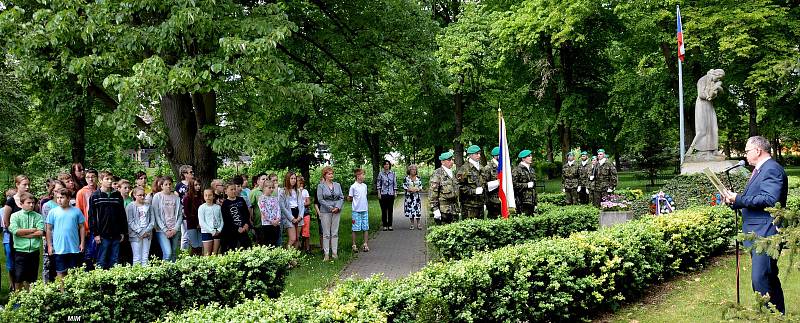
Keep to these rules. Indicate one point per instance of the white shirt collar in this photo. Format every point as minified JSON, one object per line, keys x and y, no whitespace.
{"x":475,"y":163}
{"x":602,"y":161}
{"x":584,"y":162}
{"x":448,"y":171}
{"x":761,"y":163}
{"x":495,"y":162}
{"x":570,"y":162}
{"x":525,"y":164}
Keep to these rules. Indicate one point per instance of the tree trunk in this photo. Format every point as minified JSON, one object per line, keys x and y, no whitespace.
{"x":437,"y":150}
{"x":458,"y":146}
{"x":549,"y":146}
{"x":374,"y":146}
{"x":77,"y":136}
{"x":184,"y":117}
{"x":751,"y":111}
{"x":304,"y":149}
{"x":564,"y":133}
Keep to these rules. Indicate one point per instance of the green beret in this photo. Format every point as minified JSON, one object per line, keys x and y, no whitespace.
{"x":495,"y":151}
{"x":446,"y":155}
{"x":584,"y":153}
{"x":524,"y":153}
{"x":570,"y":154}
{"x":473,"y":149}
{"x":601,"y":151}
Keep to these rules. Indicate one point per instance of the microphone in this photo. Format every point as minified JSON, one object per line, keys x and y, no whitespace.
{"x":739,"y":164}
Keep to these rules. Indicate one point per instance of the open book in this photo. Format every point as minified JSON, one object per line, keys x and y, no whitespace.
{"x":716,"y":182}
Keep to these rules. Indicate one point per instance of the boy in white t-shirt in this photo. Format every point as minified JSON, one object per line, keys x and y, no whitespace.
{"x":358,"y":195}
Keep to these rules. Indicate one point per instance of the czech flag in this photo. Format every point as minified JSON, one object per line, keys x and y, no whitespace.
{"x":681,"y":49}
{"x":506,"y":192}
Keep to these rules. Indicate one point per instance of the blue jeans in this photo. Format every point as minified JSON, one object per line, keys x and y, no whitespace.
{"x":107,"y":253}
{"x":168,"y":245}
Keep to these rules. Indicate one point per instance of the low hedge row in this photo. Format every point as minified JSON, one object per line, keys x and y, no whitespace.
{"x":145,"y":293}
{"x":557,"y":279}
{"x":463,"y":239}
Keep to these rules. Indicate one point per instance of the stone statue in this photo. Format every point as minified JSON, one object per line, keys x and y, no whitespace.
{"x":705,"y":145}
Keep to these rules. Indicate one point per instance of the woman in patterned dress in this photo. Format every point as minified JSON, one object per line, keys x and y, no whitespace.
{"x":412,"y":205}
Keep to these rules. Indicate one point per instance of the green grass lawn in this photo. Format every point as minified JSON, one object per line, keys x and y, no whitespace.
{"x":702,"y":296}
{"x":312,"y":273}
{"x":628,"y":179}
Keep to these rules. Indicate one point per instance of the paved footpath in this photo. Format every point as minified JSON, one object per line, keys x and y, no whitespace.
{"x":395,"y":254}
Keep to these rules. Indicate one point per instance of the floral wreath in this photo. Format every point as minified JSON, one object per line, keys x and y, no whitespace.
{"x":661,"y":203}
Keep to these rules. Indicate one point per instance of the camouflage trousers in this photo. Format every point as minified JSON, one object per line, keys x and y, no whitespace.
{"x":583,"y":196}
{"x":493,"y":210}
{"x":447,"y":218}
{"x":526,"y":209}
{"x":571,"y":196}
{"x":472,"y":212}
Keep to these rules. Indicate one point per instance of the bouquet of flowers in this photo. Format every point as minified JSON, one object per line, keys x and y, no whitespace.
{"x":615,"y":202}
{"x":661,"y":203}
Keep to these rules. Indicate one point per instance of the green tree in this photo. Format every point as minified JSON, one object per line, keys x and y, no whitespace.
{"x":171,"y":61}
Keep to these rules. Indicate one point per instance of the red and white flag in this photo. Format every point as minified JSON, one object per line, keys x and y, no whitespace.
{"x":506,"y":188}
{"x":681,"y":49}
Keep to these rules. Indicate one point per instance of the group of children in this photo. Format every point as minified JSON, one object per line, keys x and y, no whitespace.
{"x":95,"y":219}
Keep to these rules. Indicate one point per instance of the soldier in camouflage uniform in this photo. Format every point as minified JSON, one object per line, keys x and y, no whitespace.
{"x":570,"y":176}
{"x":594,"y":194}
{"x":525,"y":184}
{"x":444,"y":191}
{"x":583,"y":181}
{"x":471,"y":185}
{"x":490,"y":176}
{"x":606,"y":174}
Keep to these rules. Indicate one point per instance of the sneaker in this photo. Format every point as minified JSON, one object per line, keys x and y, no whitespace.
{"x":412,"y":227}
{"x":419,"y":226}
{"x":385,"y":228}
{"x":334,"y":256}
{"x":390,"y":229}
{"x":355,"y":249}
{"x":365,"y":248}
{"x":326,"y":258}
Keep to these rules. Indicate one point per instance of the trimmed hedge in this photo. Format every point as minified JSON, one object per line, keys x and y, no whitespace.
{"x":552,"y":198}
{"x":557,"y":279}
{"x":464,"y":238}
{"x":346,"y":303}
{"x":565,"y":279}
{"x":145,"y":293}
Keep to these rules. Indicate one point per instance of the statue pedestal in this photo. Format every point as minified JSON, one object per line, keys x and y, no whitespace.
{"x":716,"y":166}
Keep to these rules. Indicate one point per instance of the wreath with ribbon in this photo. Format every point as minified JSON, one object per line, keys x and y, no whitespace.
{"x":661,"y":203}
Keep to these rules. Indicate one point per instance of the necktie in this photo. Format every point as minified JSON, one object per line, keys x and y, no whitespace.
{"x":755,"y":173}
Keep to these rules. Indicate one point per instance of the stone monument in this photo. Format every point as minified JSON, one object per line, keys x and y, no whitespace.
{"x":704,"y":150}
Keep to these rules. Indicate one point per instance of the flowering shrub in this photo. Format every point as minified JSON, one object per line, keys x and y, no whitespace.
{"x":615,"y":202}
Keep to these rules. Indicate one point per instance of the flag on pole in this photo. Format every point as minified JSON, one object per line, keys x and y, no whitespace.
{"x":681,"y":49}
{"x":506,"y":192}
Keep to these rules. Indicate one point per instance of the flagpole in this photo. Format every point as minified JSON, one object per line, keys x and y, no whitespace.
{"x":680,"y":97}
{"x":680,"y":103}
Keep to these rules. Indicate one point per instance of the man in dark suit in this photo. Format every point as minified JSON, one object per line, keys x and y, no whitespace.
{"x":767,"y":185}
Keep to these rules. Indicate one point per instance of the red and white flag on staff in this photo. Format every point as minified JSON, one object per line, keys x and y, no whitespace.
{"x":506,"y":188}
{"x":681,"y":49}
